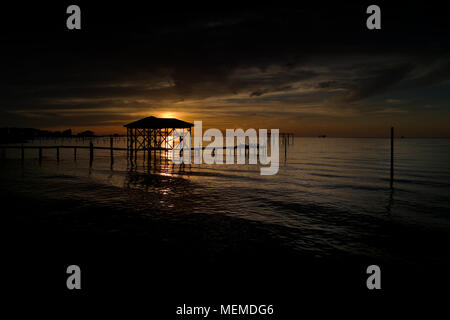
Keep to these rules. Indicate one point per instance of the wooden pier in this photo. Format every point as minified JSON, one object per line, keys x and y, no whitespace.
{"x":149,"y":136}
{"x":57,"y":149}
{"x":287,"y":138}
{"x":141,"y":140}
{"x":91,"y":149}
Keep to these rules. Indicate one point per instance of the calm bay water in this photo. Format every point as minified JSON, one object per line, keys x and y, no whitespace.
{"x":331,"y":197}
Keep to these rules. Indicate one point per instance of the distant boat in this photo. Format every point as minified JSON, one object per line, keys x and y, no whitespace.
{"x":322,"y":136}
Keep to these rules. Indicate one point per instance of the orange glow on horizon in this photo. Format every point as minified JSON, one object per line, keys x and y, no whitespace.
{"x":167,"y":115}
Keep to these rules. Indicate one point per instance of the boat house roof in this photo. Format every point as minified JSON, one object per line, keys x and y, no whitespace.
{"x":158,"y":123}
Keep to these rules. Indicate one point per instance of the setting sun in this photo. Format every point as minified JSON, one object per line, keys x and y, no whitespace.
{"x":167,"y":115}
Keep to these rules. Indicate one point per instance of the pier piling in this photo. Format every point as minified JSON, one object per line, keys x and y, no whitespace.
{"x":111,"y":147}
{"x":392,"y":157}
{"x":91,"y":153}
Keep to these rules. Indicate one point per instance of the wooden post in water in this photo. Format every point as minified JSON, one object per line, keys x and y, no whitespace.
{"x":135,"y":143}
{"x":111,"y":149}
{"x":392,"y":156}
{"x":131,"y":144}
{"x":22,"y":152}
{"x":40,"y":154}
{"x":91,"y":153}
{"x":75,"y":154}
{"x":57,"y":153}
{"x":128,"y":143}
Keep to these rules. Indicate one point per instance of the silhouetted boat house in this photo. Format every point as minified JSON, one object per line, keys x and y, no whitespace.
{"x":153,"y":133}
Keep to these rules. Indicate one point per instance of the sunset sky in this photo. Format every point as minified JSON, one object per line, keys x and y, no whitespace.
{"x":310,"y":69}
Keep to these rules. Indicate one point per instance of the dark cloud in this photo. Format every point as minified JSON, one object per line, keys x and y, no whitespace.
{"x":326,"y":84}
{"x":436,"y":73}
{"x":377,"y":81}
{"x":142,"y":57}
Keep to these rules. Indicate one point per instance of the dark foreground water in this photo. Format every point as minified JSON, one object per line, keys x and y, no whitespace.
{"x":329,"y":205}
